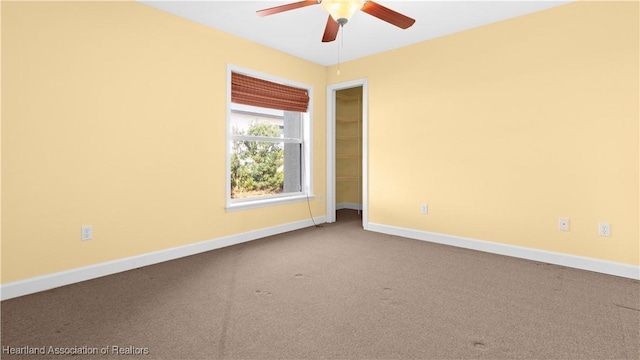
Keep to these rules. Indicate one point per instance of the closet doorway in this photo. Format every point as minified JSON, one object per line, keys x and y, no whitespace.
{"x":346,"y":150}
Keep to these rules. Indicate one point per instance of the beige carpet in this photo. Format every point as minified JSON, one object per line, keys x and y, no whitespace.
{"x":335,"y":292}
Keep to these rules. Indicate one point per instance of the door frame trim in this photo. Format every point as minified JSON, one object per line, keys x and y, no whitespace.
{"x":331,"y":148}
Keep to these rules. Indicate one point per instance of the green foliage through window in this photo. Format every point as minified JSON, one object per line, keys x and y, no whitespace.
{"x":257,"y":167}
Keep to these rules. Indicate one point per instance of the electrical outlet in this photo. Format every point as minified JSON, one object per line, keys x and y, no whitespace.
{"x":425,"y":209}
{"x":563,"y":224}
{"x":604,"y":229}
{"x":86,"y":232}
{"x":319,"y":197}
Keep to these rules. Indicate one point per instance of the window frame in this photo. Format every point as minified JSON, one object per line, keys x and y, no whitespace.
{"x":307,"y":149}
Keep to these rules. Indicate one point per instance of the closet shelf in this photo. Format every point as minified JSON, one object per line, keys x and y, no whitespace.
{"x":353,"y":119}
{"x":341,"y":96}
{"x":347,"y":178}
{"x":348,"y":138}
{"x":347,"y":156}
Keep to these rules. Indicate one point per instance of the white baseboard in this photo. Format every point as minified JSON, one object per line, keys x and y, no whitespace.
{"x":50,"y":281}
{"x":572,"y":261}
{"x":352,"y":206}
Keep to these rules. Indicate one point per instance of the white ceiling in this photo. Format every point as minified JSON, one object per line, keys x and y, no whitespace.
{"x":299,"y":32}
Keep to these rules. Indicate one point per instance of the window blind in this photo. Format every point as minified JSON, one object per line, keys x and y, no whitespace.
{"x":248,"y":90}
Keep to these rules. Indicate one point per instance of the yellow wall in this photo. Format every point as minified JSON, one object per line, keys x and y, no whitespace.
{"x":114,"y":115}
{"x":503,"y":129}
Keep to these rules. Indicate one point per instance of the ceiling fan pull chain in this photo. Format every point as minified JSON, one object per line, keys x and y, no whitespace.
{"x":338,"y":60}
{"x":340,"y":47}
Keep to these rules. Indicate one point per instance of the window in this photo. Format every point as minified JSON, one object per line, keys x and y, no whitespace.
{"x":268,"y":148}
{"x":266,"y":152}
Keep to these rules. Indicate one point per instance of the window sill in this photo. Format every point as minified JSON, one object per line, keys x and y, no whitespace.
{"x":258,"y":203}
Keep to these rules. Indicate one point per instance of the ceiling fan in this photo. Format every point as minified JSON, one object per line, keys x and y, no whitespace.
{"x":340,"y":11}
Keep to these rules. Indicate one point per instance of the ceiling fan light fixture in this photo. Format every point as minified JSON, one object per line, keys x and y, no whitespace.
{"x":342,"y":10}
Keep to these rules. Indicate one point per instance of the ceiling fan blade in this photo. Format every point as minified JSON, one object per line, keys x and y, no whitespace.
{"x":331,"y":30}
{"x":287,"y":7}
{"x":388,"y":15}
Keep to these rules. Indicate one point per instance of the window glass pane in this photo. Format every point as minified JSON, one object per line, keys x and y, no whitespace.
{"x":254,"y":121}
{"x":256,"y":168}
{"x":265,"y":168}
